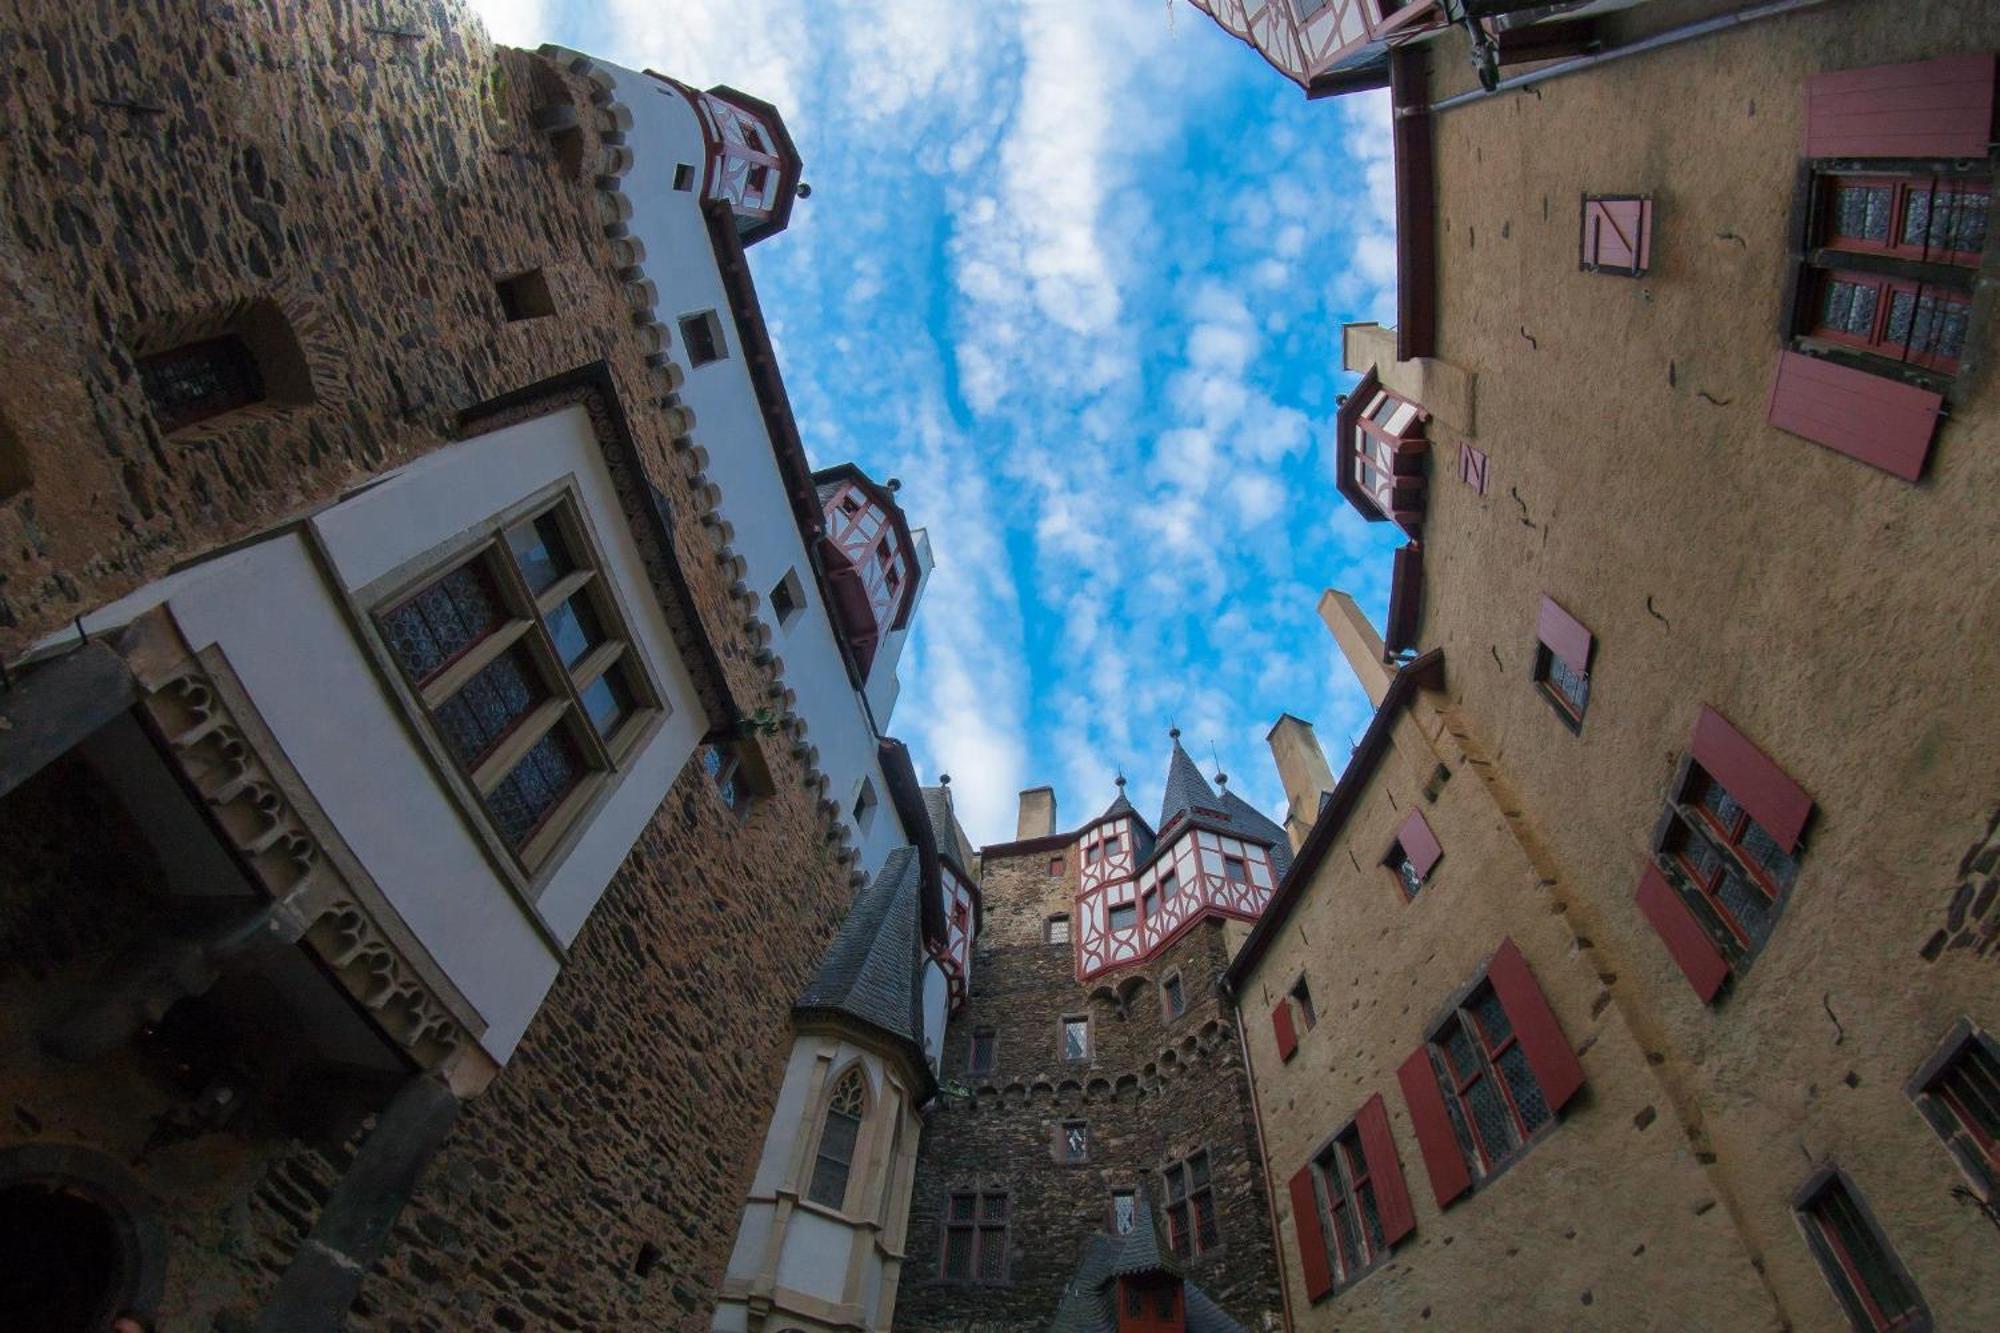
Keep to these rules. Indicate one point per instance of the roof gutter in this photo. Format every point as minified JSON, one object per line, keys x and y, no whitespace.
{"x":1333,"y":815}
{"x":1658,"y":41}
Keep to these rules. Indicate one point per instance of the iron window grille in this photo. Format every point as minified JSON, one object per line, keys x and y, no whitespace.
{"x":523,"y":669}
{"x":1350,"y":1214}
{"x":194,"y":382}
{"x":1191,"y":1222}
{"x":975,"y":1237}
{"x":1491,"y":1095}
{"x":1869,"y":1281}
{"x":1058,"y":930}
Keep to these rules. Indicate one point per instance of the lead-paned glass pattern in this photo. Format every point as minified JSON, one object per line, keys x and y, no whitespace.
{"x":1346,"y":1195}
{"x":984,"y":1044}
{"x":1569,"y":687}
{"x":1848,"y":307}
{"x":518,"y":656}
{"x":841,"y":1130}
{"x":1058,"y":932}
{"x":1862,"y":211}
{"x":1192,"y":1226}
{"x":1869,"y":1281}
{"x":1076,"y":1038}
{"x":1075,"y":1141}
{"x":1491,"y":1093}
{"x":1124,"y":1211}
{"x":1962,"y":1102}
{"x":1405,"y":869}
{"x":975,"y":1236}
{"x":1176,"y":998}
{"x":1726,"y":866}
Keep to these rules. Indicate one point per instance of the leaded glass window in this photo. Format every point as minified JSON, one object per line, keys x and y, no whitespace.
{"x":1725,"y":863}
{"x":519,"y":658}
{"x":1867,"y":1278}
{"x":1076,"y":1038}
{"x":975,"y":1236}
{"x":838,"y":1135}
{"x":1124,"y":1211}
{"x":1491,"y":1093}
{"x":1176,"y":998}
{"x":1346,"y":1195}
{"x":1192,"y":1226}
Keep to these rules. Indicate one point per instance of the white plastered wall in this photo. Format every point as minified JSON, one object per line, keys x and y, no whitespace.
{"x":282,"y":626}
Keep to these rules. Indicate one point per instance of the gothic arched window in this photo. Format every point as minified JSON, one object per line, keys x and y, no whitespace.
{"x":837,"y":1137}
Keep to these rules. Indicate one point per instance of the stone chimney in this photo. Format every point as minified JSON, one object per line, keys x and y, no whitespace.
{"x":1038,"y":813}
{"x":1302,"y":768}
{"x":1359,"y":643}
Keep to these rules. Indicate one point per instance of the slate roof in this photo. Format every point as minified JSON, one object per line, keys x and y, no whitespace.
{"x":873,"y":972}
{"x":1089,"y":1303}
{"x":951,"y":839}
{"x":1254,"y":822}
{"x":1186,"y":788}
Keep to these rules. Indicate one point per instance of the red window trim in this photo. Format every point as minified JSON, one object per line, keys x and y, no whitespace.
{"x":1281,"y":1024}
{"x":1809,"y":1206}
{"x":1903,"y":188}
{"x":1766,"y":791}
{"x":1678,"y":928}
{"x":1976,"y":1150}
{"x":1886,"y":288}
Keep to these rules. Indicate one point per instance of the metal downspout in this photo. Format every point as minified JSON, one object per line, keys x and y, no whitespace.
{"x":1658,"y":41}
{"x":1263,"y":1155}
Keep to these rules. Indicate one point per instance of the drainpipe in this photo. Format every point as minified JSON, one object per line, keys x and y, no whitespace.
{"x":1658,"y":41}
{"x":1263,"y":1156}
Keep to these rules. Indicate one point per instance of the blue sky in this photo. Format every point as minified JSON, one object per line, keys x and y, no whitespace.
{"x":1075,"y":271}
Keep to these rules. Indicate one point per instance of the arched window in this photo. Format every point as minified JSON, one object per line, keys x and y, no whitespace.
{"x":844,"y":1111}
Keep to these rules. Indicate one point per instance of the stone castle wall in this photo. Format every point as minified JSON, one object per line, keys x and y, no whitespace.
{"x":1154,"y":1090}
{"x":369,"y":170}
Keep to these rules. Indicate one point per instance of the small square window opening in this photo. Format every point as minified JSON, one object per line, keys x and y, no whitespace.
{"x":788,"y":598}
{"x":683,"y":177}
{"x":701,"y":335}
{"x":525,"y":296}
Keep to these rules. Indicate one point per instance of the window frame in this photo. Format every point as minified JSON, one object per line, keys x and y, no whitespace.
{"x":1902,"y":187}
{"x":1300,"y":996}
{"x":1395,"y":860}
{"x":710,"y":324}
{"x":1062,"y":1039}
{"x":1689,"y":815}
{"x":1876,"y":343}
{"x":1127,"y":1192}
{"x":523,"y":615}
{"x":1482,"y":1162}
{"x":1178,"y":987}
{"x":983,"y":1231}
{"x":972,"y":1065}
{"x":855,"y":1071}
{"x":1184,"y":1210}
{"x":1049,"y":928}
{"x":1067,"y":1154}
{"x":1342,"y":1150}
{"x":1973,"y":1148}
{"x":1841,"y":1269}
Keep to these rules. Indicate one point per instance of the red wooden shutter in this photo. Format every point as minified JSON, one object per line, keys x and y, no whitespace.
{"x":1418,"y":842}
{"x":1378,"y":1148}
{"x":1281,"y":1021}
{"x":1698,"y":958}
{"x":1759,"y":786}
{"x":1312,"y":1241}
{"x":1617,"y":236}
{"x":1932,"y":108}
{"x":1556,"y":1067}
{"x":1883,"y":422}
{"x":1450,"y":1177}
{"x":1564,"y":634}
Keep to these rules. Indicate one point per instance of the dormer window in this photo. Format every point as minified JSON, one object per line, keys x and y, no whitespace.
{"x":1381,"y":446}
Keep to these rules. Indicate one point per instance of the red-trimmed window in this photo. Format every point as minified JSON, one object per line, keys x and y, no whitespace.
{"x":1364,"y":1208}
{"x":1413,"y":854}
{"x":1124,"y":916}
{"x":1234,"y":870}
{"x":1492,"y":1075}
{"x":1728,"y":842}
{"x":1055,"y":865}
{"x":984,"y":1052}
{"x":975,"y":1236}
{"x":1191,"y":1223}
{"x":1895,"y":318}
{"x":1935,"y":219}
{"x":1867,"y":1278}
{"x":1563,"y":649}
{"x":1958,"y":1091}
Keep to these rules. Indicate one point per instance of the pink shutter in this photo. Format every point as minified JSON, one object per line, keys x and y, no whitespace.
{"x":1450,"y":1177}
{"x":1378,"y":1148}
{"x":1758,"y":785}
{"x":1695,"y":954}
{"x":1564,"y":634}
{"x":1418,"y":842}
{"x":1312,"y":1241}
{"x":1556,"y":1067}
{"x":1617,"y":236}
{"x":1932,"y":108}
{"x":1281,"y":1021}
{"x":1883,"y":422}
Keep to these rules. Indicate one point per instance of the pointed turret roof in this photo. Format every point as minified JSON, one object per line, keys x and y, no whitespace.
{"x":873,"y":970}
{"x":1118,"y":806}
{"x":1089,"y":1303}
{"x":1186,"y":788}
{"x":951,"y":840}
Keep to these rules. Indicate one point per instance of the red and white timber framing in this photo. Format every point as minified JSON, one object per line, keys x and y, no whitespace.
{"x":1127,"y":912}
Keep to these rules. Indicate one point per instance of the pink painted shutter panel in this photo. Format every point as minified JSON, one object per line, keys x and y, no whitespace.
{"x":1378,"y":1148}
{"x":1930,"y":108}
{"x":1758,"y":785}
{"x":1688,"y":944}
{"x":1450,"y":1177}
{"x":1281,"y":1021}
{"x":1556,"y":1067}
{"x":1564,"y":634}
{"x":1312,"y":1241}
{"x":1883,"y":422}
{"x":1616,"y":234}
{"x":1419,"y":843}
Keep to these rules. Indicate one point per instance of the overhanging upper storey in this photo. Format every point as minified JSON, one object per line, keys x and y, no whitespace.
{"x":1328,"y":47}
{"x":1379,"y":447}
{"x":870,"y":560}
{"x":752,"y":165}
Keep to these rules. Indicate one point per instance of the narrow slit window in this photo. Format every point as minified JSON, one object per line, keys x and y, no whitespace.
{"x":1075,"y":1037}
{"x":838,"y":1135}
{"x":1173,"y":996}
{"x":985,"y":1048}
{"x":1958,"y":1092}
{"x":1073,"y":1142}
{"x":1302,"y":997}
{"x":1124,"y":1212}
{"x":864,"y":806}
{"x":1867,"y":1278}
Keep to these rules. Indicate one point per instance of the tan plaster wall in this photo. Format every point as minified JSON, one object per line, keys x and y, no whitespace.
{"x":1841,"y":618}
{"x":1598,"y":1220}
